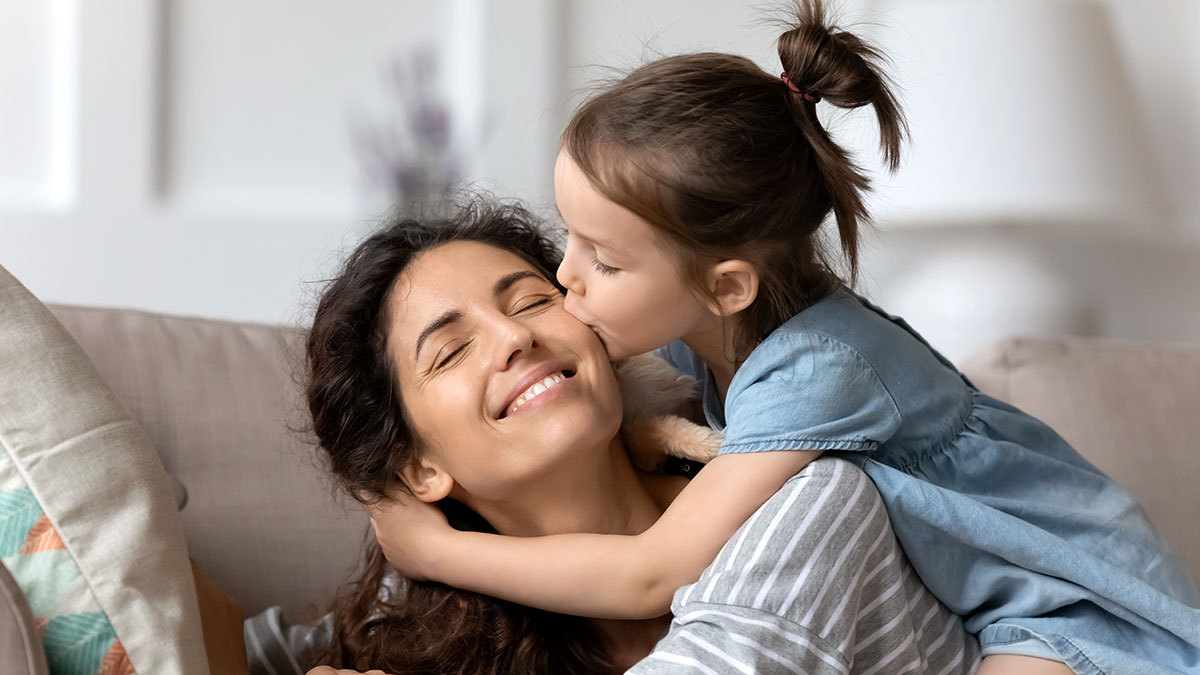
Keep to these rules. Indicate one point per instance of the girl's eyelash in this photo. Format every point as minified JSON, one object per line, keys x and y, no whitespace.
{"x":602,"y":268}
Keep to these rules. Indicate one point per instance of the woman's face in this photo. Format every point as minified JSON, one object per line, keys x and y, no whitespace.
{"x":502,"y":385}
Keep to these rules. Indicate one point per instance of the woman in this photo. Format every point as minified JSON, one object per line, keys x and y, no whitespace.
{"x":442,"y":364}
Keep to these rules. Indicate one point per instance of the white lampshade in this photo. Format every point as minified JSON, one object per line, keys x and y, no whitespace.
{"x":1020,"y":113}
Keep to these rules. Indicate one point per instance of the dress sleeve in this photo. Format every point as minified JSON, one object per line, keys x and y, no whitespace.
{"x":807,"y":392}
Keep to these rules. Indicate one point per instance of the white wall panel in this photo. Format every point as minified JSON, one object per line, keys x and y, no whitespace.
{"x":209,"y":144}
{"x":1161,"y":42}
{"x":261,"y":97}
{"x":623,"y":34}
{"x":37,"y":104}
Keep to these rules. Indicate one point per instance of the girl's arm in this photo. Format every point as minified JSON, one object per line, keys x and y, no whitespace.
{"x":596,"y":575}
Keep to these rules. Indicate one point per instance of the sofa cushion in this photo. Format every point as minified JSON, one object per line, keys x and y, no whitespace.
{"x":90,"y":530}
{"x":1130,"y":408}
{"x":219,"y":401}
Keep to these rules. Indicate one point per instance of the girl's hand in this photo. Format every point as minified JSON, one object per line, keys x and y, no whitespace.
{"x":408,"y":531}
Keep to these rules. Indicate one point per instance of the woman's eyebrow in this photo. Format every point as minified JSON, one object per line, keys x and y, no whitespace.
{"x":448,"y":317}
{"x":505,"y":282}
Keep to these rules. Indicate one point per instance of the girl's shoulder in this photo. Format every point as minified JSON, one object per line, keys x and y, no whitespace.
{"x":840,"y":326}
{"x":844,"y":342}
{"x":841,"y":315}
{"x":846,"y":323}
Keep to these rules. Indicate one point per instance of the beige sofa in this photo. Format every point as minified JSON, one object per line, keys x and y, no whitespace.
{"x":219,"y":401}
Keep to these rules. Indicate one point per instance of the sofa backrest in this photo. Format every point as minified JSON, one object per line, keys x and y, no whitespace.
{"x":217,"y":399}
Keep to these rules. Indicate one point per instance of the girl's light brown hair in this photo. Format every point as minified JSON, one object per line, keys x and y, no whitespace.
{"x":725,"y":161}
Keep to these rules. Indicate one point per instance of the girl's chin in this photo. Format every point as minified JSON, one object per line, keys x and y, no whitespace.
{"x":620,"y":349}
{"x":615,"y":351}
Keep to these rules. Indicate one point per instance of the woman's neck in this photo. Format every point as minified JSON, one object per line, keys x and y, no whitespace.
{"x":598,"y":492}
{"x":631,"y":641}
{"x":605,"y":495}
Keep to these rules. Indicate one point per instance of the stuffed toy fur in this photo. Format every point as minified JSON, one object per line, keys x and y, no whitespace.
{"x":658,"y":401}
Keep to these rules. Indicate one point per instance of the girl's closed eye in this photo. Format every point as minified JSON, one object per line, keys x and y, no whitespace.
{"x":602,"y":268}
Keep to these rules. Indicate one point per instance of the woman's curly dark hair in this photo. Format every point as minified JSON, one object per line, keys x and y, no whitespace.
{"x":362,"y":427}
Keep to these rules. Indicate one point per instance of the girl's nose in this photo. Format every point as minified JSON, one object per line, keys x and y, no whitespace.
{"x":567,"y":275}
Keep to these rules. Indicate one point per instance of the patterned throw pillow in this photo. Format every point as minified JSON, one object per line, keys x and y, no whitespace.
{"x":76,"y":633}
{"x":88,"y":525}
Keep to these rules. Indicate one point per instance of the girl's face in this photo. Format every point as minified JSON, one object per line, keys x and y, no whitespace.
{"x":620,"y":278}
{"x":502,"y":385}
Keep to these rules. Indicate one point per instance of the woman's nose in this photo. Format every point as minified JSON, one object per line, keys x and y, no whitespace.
{"x":513,"y":338}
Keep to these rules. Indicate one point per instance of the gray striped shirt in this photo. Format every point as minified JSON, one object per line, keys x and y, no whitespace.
{"x":813,"y":582}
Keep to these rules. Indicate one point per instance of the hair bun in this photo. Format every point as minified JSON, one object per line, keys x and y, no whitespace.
{"x":841,"y":68}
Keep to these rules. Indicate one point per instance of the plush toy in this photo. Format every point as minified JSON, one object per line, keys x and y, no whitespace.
{"x":658,"y":401}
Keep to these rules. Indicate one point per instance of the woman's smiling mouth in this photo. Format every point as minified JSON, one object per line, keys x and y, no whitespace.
{"x":536,"y":390}
{"x":541,"y":389}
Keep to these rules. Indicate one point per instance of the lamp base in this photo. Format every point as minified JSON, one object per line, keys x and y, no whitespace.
{"x":984,"y":287}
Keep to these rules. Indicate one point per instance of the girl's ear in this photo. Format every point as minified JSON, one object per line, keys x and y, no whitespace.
{"x":427,"y":480}
{"x":733,"y":285}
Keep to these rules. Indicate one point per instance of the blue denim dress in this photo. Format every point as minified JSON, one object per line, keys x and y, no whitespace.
{"x":1038,"y":550}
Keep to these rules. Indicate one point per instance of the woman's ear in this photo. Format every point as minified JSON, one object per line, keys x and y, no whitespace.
{"x":427,"y":480}
{"x":732,"y":285}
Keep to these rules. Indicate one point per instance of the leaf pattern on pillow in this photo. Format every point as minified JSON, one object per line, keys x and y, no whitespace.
{"x":77,"y":636}
{"x":19,"y":511}
{"x":76,"y":643}
{"x":116,"y":662}
{"x":42,"y":537}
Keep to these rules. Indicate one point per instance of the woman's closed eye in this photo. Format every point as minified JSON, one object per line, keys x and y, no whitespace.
{"x":442,"y":361}
{"x":531,"y":303}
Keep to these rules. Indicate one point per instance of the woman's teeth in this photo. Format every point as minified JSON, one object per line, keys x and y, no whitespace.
{"x":536,"y":390}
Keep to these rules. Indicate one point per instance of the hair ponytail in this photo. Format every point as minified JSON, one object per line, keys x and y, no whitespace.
{"x":839,"y":67}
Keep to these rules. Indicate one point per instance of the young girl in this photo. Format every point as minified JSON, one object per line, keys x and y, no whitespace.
{"x":693,"y":192}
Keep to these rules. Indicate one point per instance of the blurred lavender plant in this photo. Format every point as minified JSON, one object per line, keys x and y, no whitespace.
{"x":412,"y":154}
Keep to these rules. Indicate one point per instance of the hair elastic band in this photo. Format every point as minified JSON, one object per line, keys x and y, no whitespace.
{"x":796,"y":90}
